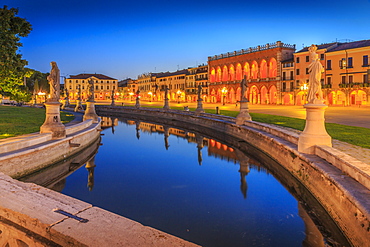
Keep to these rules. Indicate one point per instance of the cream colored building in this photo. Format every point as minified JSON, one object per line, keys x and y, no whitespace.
{"x":104,"y":86}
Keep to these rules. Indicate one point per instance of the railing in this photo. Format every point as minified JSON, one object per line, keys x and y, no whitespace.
{"x":252,"y":49}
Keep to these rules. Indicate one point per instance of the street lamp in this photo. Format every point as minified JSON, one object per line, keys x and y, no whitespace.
{"x":178,"y":96}
{"x":131,"y":93}
{"x":224,"y":92}
{"x":304,"y":89}
{"x":150,"y":96}
{"x":41,"y":94}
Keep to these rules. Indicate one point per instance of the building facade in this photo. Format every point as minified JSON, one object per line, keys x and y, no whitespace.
{"x":261,"y":66}
{"x":345,"y":81}
{"x":105,"y":87}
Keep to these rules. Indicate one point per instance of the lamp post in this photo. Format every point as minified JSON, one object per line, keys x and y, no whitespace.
{"x":42,"y":95}
{"x":304,"y":89}
{"x":224,"y":92}
{"x":131,"y":93}
{"x":178,"y":96}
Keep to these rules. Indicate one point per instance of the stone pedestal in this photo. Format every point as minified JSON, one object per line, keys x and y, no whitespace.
{"x":52,"y":122}
{"x":314,"y":132}
{"x":78,"y":105}
{"x":244,"y":113}
{"x":90,"y":112}
{"x":166,"y":105}
{"x":199,"y":107}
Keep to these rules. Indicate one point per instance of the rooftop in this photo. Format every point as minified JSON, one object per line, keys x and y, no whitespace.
{"x":86,"y":76}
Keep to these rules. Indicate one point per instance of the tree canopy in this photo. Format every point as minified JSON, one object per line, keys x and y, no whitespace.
{"x":12,"y":71}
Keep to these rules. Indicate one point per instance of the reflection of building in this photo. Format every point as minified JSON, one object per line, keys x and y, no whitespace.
{"x":260,"y":65}
{"x":103,"y":86}
{"x":346,"y":77}
{"x":108,"y":122}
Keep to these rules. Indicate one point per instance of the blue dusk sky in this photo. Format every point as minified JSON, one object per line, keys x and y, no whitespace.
{"x":124,"y":39}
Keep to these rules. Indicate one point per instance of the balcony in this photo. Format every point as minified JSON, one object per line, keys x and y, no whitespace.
{"x":354,"y":85}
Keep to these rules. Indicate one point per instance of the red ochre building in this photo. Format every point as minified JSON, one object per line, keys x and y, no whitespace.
{"x":262,"y":68}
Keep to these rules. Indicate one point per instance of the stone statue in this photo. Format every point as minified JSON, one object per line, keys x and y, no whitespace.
{"x":315,"y":70}
{"x":91,"y":90}
{"x":200,"y":91}
{"x":54,"y":81}
{"x":166,"y":92}
{"x":243,"y":85}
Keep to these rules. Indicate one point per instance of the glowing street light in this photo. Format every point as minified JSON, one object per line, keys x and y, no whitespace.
{"x":131,"y":93}
{"x":178,"y":96}
{"x":150,"y":96}
{"x":304,"y":89}
{"x":224,"y":92}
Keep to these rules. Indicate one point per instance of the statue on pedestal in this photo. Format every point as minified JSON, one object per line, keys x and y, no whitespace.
{"x":91,"y":90}
{"x":54,"y":81}
{"x":315,"y":70}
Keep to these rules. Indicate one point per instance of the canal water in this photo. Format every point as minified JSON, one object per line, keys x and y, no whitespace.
{"x":193,"y":186}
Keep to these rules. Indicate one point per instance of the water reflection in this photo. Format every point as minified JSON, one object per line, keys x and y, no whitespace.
{"x":54,"y":177}
{"x":176,"y":188}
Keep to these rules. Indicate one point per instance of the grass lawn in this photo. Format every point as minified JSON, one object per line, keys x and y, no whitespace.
{"x":24,"y":120}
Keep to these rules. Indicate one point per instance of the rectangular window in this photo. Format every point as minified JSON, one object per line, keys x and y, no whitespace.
{"x":101,"y":87}
{"x":307,"y":58}
{"x":350,"y":79}
{"x":349,"y":63}
{"x":97,"y":87}
{"x":284,"y":87}
{"x":365,"y":78}
{"x":343,"y":79}
{"x":291,"y":86}
{"x":307,"y":71}
{"x":322,"y":56}
{"x":328,"y":64}
{"x":365,"y":60}
{"x":284,"y":75}
{"x":297,"y":60}
{"x":291,"y":75}
{"x":329,"y":80}
{"x":297,"y":72}
{"x":107,"y":87}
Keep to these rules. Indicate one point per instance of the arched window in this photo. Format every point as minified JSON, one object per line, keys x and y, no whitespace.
{"x":272,"y":68}
{"x":263,"y":69}
{"x":232,"y":73}
{"x":239,"y":72}
{"x":225,"y":74}
{"x":213,"y":75}
{"x":247,"y":71}
{"x":219,"y":74}
{"x":254,"y":70}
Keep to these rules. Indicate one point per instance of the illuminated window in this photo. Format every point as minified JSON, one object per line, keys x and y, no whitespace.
{"x":225,"y":74}
{"x":247,"y":70}
{"x":232,"y":73}
{"x":254,"y":70}
{"x":272,"y":68}
{"x":263,"y":69}
{"x":219,"y":74}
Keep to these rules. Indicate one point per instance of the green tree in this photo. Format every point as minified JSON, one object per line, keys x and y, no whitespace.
{"x":12,"y":70}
